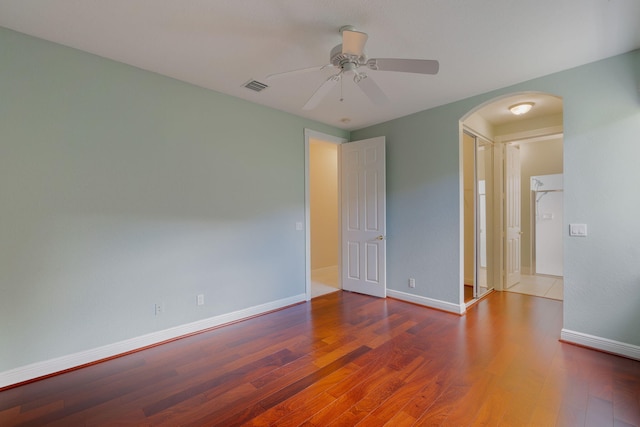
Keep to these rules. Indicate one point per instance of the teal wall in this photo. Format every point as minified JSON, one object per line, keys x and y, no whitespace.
{"x":121,"y":188}
{"x":601,"y":159}
{"x":422,"y":201}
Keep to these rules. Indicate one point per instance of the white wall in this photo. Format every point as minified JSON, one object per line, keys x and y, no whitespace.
{"x":122,"y":188}
{"x":547,"y":216}
{"x":536,"y":158}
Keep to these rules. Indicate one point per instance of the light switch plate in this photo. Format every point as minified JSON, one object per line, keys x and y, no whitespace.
{"x":578,"y":230}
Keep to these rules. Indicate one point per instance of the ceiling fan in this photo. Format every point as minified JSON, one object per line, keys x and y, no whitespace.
{"x":348,"y":57}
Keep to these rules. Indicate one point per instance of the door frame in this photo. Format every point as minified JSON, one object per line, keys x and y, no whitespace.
{"x":494,"y":219}
{"x":308,"y":135}
{"x":528,"y":136}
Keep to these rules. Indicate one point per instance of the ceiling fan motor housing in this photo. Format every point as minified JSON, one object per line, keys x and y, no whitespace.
{"x":345,"y":61}
{"x":348,"y":56}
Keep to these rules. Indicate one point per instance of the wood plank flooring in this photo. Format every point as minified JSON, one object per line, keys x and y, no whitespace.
{"x":347,"y":359}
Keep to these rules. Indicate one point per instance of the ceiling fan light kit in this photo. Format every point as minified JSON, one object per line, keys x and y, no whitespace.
{"x":348,"y":57}
{"x":353,"y":41}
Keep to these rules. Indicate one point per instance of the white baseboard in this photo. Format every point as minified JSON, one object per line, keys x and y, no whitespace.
{"x":427,"y":302}
{"x":59,"y":364}
{"x":603,"y":344}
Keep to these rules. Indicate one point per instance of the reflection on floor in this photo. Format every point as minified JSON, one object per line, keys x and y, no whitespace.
{"x":541,"y":286}
{"x":468,"y":293}
{"x":482,"y":286}
{"x":482,"y":279}
{"x":324,"y":281}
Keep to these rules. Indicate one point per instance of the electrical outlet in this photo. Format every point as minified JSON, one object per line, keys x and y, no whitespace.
{"x":412,"y":282}
{"x":158,"y":309}
{"x":200,"y":299}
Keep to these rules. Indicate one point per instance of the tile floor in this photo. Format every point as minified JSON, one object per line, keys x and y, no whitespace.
{"x":324,"y":281}
{"x":541,"y":286}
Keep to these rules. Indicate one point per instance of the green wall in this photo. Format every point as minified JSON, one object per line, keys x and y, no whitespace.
{"x":601,"y":176}
{"x":121,"y":188}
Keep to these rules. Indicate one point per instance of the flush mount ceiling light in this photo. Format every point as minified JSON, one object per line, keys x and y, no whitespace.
{"x":521,"y":108}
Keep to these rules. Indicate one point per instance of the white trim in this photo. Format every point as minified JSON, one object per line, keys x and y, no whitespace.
{"x":487,"y":140}
{"x":48,"y":367}
{"x":427,"y":302}
{"x":603,"y":344}
{"x":533,"y":135}
{"x":461,"y":268}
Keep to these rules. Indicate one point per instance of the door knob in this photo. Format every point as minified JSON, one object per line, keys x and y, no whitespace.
{"x":380,"y":237}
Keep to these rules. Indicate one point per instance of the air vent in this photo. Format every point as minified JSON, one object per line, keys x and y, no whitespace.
{"x":255,"y":85}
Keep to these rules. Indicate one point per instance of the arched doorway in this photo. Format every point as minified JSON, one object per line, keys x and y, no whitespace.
{"x":500,"y":154}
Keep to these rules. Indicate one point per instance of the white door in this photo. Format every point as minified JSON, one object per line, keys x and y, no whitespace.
{"x":363,"y":193}
{"x":512,"y":214}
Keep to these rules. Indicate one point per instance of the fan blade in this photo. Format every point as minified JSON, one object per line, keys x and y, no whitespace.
{"x":299,"y":71}
{"x":322,"y":91}
{"x":371,"y":89}
{"x":420,"y":66}
{"x":353,"y":42}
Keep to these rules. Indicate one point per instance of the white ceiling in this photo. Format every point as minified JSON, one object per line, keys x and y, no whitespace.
{"x":222,"y":44}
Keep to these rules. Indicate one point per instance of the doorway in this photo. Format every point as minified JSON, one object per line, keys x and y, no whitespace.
{"x":323,"y":210}
{"x":478,"y":215}
{"x":522,"y":147}
{"x":360,"y":211}
{"x":541,"y":165}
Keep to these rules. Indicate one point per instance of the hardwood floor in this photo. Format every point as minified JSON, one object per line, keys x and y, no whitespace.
{"x":346,"y":359}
